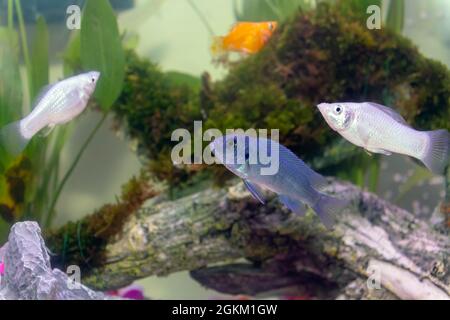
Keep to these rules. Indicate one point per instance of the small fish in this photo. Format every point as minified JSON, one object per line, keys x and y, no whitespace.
{"x":295,"y":183}
{"x":244,"y":37}
{"x":379,"y":129}
{"x":57,"y":104}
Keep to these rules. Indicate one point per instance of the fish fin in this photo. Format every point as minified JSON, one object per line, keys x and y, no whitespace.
{"x":326,"y":208}
{"x":364,"y":135}
{"x":300,"y":170}
{"x":368,"y":152}
{"x":217,"y":48}
{"x":255,"y":191}
{"x":47,"y":130}
{"x":41,"y":94}
{"x":316,"y":180}
{"x":389,"y":111}
{"x":12,"y":139}
{"x":436,"y":156}
{"x":375,"y":150}
{"x":294,"y":205}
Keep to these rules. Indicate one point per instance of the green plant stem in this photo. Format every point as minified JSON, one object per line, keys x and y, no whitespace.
{"x":51,"y":211}
{"x":23,"y":38}
{"x":202,"y":17}
{"x":10,"y":15}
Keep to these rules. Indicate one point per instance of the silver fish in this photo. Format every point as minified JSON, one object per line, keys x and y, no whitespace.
{"x":57,"y":104}
{"x":379,"y":129}
{"x":295,"y":183}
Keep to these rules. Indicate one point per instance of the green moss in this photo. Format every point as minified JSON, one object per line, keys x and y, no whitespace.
{"x":82,"y":243}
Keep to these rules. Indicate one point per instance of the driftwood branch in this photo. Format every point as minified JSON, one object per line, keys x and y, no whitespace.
{"x":372,"y":241}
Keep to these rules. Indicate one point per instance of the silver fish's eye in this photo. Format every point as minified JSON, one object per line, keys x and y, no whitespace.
{"x":338,"y":109}
{"x":92,"y":80}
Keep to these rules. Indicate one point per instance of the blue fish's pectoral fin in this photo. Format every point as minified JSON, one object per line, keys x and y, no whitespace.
{"x":294,"y":205}
{"x":47,"y":130}
{"x":375,"y":150}
{"x":255,"y":191}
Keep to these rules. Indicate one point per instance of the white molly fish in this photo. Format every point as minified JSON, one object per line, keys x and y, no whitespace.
{"x":379,"y":129}
{"x":57,"y":103}
{"x":294,"y":182}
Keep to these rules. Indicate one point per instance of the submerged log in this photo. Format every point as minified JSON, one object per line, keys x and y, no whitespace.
{"x":374,"y":245}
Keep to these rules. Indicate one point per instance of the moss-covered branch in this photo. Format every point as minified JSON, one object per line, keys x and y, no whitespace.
{"x":223,"y":225}
{"x":83,"y":242}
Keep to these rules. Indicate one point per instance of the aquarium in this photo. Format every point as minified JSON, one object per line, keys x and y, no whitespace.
{"x":224,"y":150}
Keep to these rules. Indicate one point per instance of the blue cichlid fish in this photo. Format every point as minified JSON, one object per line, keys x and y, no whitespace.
{"x":379,"y":129}
{"x":56,"y":104}
{"x":295,"y":183}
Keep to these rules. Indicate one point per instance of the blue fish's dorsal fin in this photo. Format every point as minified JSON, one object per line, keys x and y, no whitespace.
{"x":300,"y":170}
{"x":294,"y":205}
{"x":389,"y":111}
{"x":255,"y":191}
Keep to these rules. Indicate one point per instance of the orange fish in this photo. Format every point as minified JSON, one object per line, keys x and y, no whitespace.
{"x":244,"y":37}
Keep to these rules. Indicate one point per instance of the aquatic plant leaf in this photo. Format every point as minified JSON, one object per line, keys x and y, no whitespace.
{"x":420,"y":174}
{"x":39,"y":58}
{"x":10,"y":85}
{"x":101,"y":50}
{"x":259,"y":10}
{"x":10,"y":81}
{"x":396,"y":15}
{"x":72,"y":55}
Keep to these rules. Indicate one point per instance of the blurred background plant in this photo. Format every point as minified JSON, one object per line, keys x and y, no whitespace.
{"x":30,"y":184}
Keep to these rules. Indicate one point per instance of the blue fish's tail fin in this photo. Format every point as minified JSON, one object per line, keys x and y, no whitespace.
{"x":11,"y":138}
{"x":317,"y":181}
{"x":294,"y":205}
{"x":327,"y":207}
{"x":436,"y":154}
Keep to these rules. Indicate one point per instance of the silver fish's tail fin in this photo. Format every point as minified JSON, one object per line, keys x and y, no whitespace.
{"x":327,"y":207}
{"x":11,"y":138}
{"x":436,"y":154}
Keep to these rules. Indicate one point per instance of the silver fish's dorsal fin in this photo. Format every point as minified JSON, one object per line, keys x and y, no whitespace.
{"x":41,"y":95}
{"x":389,"y":111}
